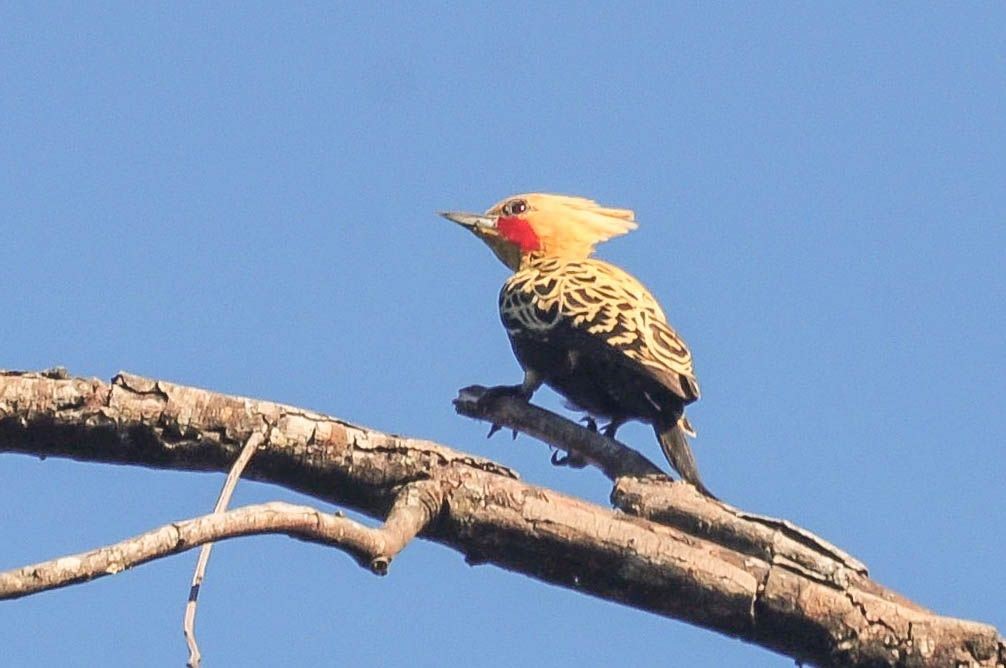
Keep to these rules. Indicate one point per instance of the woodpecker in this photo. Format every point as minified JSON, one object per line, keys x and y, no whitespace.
{"x":584,"y":327}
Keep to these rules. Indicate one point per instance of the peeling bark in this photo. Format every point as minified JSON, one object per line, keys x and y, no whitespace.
{"x":667,"y":550}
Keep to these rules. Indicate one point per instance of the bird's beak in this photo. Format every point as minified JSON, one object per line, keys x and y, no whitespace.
{"x":476,"y":222}
{"x":484,"y":227}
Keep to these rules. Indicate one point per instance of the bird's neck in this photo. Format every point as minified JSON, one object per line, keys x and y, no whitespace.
{"x":530,"y":260}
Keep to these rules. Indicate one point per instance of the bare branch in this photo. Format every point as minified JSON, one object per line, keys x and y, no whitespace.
{"x":762,"y":580}
{"x":772,"y":540}
{"x":373,"y":548}
{"x":613,"y":458}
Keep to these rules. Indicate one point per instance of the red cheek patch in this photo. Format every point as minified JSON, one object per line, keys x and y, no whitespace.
{"x":518,"y":231}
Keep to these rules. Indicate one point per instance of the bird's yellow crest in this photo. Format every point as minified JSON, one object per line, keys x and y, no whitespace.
{"x":549,"y":225}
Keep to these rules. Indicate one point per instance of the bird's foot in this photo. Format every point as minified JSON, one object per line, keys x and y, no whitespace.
{"x":491,"y":394}
{"x":589,"y":422}
{"x":495,"y":427}
{"x":571,"y":460}
{"x":611,"y":428}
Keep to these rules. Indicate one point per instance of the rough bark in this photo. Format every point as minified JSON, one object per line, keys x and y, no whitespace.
{"x":373,"y":548}
{"x":667,"y":550}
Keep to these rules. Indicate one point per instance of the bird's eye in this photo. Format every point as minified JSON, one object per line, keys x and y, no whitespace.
{"x":514,"y":207}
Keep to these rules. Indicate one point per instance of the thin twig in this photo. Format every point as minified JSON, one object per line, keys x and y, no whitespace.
{"x":189,"y":623}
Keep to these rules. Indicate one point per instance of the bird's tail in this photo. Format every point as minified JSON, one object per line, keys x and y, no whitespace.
{"x":674,"y":443}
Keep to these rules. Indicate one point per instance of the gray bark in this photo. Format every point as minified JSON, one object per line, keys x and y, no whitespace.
{"x":666,"y":549}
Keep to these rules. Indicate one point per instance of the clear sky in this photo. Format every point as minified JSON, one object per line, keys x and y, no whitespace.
{"x":241,"y":197}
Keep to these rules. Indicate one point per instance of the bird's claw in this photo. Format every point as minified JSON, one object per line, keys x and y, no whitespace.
{"x":495,"y":428}
{"x":571,"y":460}
{"x":589,"y":422}
{"x":491,"y":394}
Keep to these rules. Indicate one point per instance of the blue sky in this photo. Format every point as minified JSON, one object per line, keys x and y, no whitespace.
{"x":241,"y":197}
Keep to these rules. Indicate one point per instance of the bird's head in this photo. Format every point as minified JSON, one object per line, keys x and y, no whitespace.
{"x":551,"y":225}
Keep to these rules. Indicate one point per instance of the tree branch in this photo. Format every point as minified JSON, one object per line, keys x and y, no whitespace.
{"x":613,"y":458}
{"x":762,"y":580}
{"x":373,"y":548}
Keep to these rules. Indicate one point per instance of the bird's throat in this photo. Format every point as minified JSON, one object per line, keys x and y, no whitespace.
{"x":518,"y":231}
